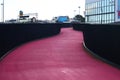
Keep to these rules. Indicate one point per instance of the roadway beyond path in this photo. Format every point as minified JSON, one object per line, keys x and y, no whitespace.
{"x":61,"y":57}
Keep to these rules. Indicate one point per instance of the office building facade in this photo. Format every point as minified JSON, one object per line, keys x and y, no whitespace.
{"x":102,"y":11}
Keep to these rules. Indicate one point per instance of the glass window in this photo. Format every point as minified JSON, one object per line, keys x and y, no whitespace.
{"x":113,"y":20}
{"x":112,"y":9}
{"x":93,"y":11}
{"x":108,"y":9}
{"x":103,"y":3}
{"x":86,"y":19}
{"x":107,"y":17}
{"x":90,"y":18}
{"x":94,"y":19}
{"x":110,"y":17}
{"x":88,"y":6}
{"x":111,"y":2}
{"x":100,"y":10}
{"x":98,"y":17}
{"x":86,"y":12}
{"x":107,"y":2}
{"x":99,"y":3}
{"x":85,"y":6}
{"x":113,"y":16}
{"x":90,"y":11}
{"x":96,"y":11}
{"x":105,"y":9}
{"x":103,"y":17}
{"x":95,"y":4}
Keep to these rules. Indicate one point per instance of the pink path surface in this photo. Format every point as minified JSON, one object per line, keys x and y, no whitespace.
{"x":61,"y":57}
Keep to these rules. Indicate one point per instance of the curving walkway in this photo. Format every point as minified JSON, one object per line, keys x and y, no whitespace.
{"x":61,"y":57}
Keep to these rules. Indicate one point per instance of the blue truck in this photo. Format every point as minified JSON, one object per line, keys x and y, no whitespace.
{"x":62,"y":19}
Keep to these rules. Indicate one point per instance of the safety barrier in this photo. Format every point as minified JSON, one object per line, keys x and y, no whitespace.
{"x":103,"y":40}
{"x":79,"y":26}
{"x":65,"y":25}
{"x":12,"y":35}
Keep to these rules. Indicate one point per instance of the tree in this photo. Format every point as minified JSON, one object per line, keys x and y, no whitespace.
{"x":79,"y":18}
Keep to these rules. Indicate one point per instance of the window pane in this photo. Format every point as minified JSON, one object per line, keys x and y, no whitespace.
{"x":103,"y":3}
{"x":108,"y":9}
{"x":112,"y":8}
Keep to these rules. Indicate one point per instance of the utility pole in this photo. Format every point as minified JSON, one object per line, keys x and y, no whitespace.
{"x":79,"y":10}
{"x":74,"y":12}
{"x":2,"y":11}
{"x":101,"y":13}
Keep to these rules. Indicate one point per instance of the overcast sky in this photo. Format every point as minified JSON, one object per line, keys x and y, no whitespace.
{"x":46,"y":9}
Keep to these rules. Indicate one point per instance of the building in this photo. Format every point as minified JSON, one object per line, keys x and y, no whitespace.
{"x":30,"y":17}
{"x":102,"y":11}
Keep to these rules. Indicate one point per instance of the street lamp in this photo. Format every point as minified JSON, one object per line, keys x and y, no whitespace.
{"x":3,"y":10}
{"x":79,"y":10}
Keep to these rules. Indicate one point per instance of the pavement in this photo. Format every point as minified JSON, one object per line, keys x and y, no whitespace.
{"x":61,"y":57}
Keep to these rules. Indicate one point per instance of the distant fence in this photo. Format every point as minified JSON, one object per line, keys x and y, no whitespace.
{"x":12,"y":35}
{"x":102,"y":39}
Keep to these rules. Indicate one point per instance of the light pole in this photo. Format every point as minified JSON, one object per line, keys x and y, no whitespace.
{"x":3,"y":10}
{"x":101,"y":14}
{"x":74,"y":12}
{"x":79,"y":10}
